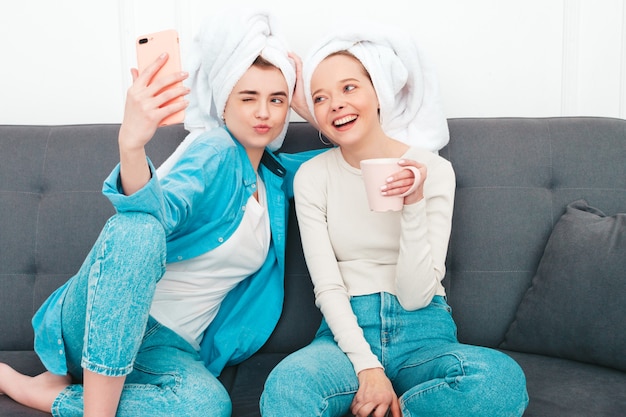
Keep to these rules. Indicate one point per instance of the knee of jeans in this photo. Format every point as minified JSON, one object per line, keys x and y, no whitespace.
{"x":208,"y":395}
{"x":140,"y":231}
{"x":130,"y":220}
{"x":506,"y":380}
{"x":217,"y":408}
{"x":215,"y":405}
{"x":274,"y":384}
{"x":515,"y":380}
{"x":274,"y":393}
{"x":281,"y":383}
{"x":507,"y":369}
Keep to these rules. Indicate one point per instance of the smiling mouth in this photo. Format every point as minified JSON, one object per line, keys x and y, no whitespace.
{"x":344,"y":120}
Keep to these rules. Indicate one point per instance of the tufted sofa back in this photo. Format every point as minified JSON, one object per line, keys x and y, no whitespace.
{"x":52,"y":210}
{"x":514,"y":178}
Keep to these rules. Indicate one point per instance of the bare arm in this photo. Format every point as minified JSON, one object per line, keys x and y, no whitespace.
{"x":143,"y":112}
{"x":101,"y":394}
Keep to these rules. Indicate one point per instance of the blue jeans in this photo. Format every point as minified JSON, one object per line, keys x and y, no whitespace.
{"x":107,"y":330}
{"x":432,"y":373}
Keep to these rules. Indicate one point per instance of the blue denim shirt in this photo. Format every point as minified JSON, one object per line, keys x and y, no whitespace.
{"x":200,"y":203}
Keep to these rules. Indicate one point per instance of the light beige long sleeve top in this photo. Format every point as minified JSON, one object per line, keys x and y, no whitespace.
{"x":351,"y":251}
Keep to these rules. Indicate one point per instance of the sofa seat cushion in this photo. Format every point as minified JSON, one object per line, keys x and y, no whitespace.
{"x":562,"y":387}
{"x":574,"y":308}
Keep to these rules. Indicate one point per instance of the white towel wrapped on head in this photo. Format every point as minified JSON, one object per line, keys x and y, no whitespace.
{"x":226,"y":45}
{"x":406,"y":85}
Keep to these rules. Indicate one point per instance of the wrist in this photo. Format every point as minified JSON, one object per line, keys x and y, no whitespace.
{"x":370,"y":371}
{"x":129,"y":142}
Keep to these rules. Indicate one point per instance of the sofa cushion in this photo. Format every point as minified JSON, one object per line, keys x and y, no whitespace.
{"x":562,"y":387}
{"x":574,"y":307}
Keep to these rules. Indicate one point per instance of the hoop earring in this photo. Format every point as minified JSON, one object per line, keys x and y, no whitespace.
{"x":319,"y":134}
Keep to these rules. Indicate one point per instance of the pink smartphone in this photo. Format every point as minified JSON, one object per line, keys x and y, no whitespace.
{"x":149,"y":48}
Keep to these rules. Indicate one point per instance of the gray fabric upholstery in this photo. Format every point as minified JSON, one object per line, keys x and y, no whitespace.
{"x":580,"y":279}
{"x":51,"y":211}
{"x":560,"y":387}
{"x":515,"y":177}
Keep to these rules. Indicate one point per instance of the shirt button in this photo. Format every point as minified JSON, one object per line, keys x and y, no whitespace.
{"x":180,"y":258}
{"x":220,"y":239}
{"x":60,"y":352}
{"x":253,"y":185}
{"x":59,"y":341}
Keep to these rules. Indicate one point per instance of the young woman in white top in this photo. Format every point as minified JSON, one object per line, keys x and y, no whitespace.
{"x":387,"y":344}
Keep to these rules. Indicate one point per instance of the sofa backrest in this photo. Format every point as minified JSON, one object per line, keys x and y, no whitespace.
{"x":52,"y":210}
{"x":514,"y":178}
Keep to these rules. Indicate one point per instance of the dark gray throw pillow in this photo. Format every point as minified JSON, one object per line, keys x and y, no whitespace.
{"x":576,"y":305}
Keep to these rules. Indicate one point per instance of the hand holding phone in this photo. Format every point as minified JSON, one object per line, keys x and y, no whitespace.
{"x":149,"y":48}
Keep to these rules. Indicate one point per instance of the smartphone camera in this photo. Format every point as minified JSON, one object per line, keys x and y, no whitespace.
{"x":143,"y":40}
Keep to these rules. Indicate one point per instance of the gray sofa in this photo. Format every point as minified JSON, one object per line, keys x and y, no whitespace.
{"x":561,"y":317}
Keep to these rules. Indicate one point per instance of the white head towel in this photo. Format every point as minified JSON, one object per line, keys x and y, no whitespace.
{"x":222,"y":51}
{"x":408,"y":93}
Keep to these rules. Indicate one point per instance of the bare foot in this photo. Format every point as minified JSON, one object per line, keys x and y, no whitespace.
{"x":37,"y":392}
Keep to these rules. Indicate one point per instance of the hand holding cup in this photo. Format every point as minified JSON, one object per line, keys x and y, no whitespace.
{"x":375,"y":173}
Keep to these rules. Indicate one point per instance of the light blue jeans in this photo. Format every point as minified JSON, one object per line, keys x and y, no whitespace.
{"x":432,"y":373}
{"x":107,"y":330}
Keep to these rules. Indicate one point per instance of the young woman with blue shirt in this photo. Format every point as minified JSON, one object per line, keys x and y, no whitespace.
{"x":187,"y":277}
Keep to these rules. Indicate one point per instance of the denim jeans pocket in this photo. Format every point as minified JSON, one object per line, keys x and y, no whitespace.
{"x":150,"y":376}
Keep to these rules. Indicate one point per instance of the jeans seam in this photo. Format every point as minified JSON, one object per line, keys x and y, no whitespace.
{"x":444,"y":383}
{"x":105,"y":370}
{"x":56,"y":404}
{"x":404,"y":399}
{"x":177,"y":377}
{"x":152,"y":329}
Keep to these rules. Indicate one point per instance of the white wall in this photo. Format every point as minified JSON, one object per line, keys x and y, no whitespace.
{"x":67,"y":61}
